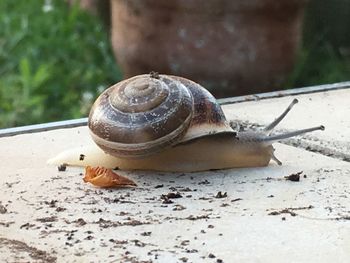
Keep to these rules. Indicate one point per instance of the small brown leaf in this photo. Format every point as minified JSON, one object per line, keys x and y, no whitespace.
{"x":103,"y":177}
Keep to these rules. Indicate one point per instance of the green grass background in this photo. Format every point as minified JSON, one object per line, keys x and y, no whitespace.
{"x":52,"y":64}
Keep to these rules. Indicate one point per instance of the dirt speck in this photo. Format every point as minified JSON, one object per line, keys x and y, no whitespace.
{"x":6,"y":224}
{"x":154,"y":74}
{"x":185,"y":243}
{"x":62,"y":167}
{"x":294,"y":177}
{"x":283,"y":211}
{"x":3,"y":209}
{"x":204,"y":182}
{"x":167,"y":197}
{"x":60,"y":209}
{"x":179,"y":208}
{"x":173,"y":195}
{"x":32,"y":252}
{"x":192,"y":217}
{"x":48,"y":219}
{"x":221,"y":195}
{"x":81,"y":157}
{"x":27,"y":226}
{"x":51,"y":203}
{"x":290,"y":210}
{"x":80,"y":222}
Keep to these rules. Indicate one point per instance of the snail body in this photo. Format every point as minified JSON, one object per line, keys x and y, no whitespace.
{"x":169,"y":123}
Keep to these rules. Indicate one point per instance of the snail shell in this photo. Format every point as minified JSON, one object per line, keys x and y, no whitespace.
{"x":146,"y":114}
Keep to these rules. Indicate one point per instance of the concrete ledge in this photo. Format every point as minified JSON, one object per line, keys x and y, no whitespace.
{"x":51,"y":216}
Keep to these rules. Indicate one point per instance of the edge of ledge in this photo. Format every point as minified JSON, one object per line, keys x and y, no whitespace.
{"x":284,"y":93}
{"x":255,"y":97}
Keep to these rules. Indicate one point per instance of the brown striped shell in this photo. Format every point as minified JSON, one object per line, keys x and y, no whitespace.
{"x":145,"y":114}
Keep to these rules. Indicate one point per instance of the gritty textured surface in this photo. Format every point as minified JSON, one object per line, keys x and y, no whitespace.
{"x":238,"y":215}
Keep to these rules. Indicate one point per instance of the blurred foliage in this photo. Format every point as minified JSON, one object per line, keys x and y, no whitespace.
{"x":54,"y":60}
{"x":325,"y":53}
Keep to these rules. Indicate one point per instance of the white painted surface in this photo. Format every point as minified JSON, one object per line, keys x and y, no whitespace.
{"x":232,"y":230}
{"x":331,"y":109}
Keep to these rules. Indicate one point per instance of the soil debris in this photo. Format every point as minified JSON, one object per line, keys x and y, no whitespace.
{"x":3,"y":209}
{"x":290,"y":210}
{"x":154,"y":74}
{"x":48,"y":219}
{"x":60,"y":209}
{"x":173,"y":195}
{"x":166,"y":197}
{"x":192,"y":217}
{"x":342,"y":218}
{"x":52,"y":203}
{"x":108,"y":223}
{"x":179,"y":208}
{"x":6,"y":224}
{"x":138,"y":243}
{"x":211,"y":255}
{"x":221,"y":195}
{"x":27,"y":226}
{"x":191,"y":250}
{"x":9,"y":185}
{"x":185,"y":243}
{"x":34,"y":253}
{"x":80,"y":222}
{"x":294,"y":177}
{"x":167,"y":201}
{"x":284,"y":211}
{"x":204,"y":182}
{"x":62,"y":167}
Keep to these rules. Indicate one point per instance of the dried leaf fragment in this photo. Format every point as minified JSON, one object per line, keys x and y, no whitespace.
{"x":103,"y":177}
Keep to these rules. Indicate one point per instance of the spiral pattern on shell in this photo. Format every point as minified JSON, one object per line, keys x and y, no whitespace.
{"x":141,"y":115}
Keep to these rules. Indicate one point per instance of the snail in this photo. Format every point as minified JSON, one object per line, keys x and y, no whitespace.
{"x":169,"y":123}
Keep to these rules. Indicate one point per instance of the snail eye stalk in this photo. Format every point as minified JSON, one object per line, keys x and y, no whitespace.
{"x":273,"y":138}
{"x":273,"y":124}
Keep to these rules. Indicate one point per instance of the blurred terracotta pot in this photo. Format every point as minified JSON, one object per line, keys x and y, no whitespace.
{"x":231,"y":47}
